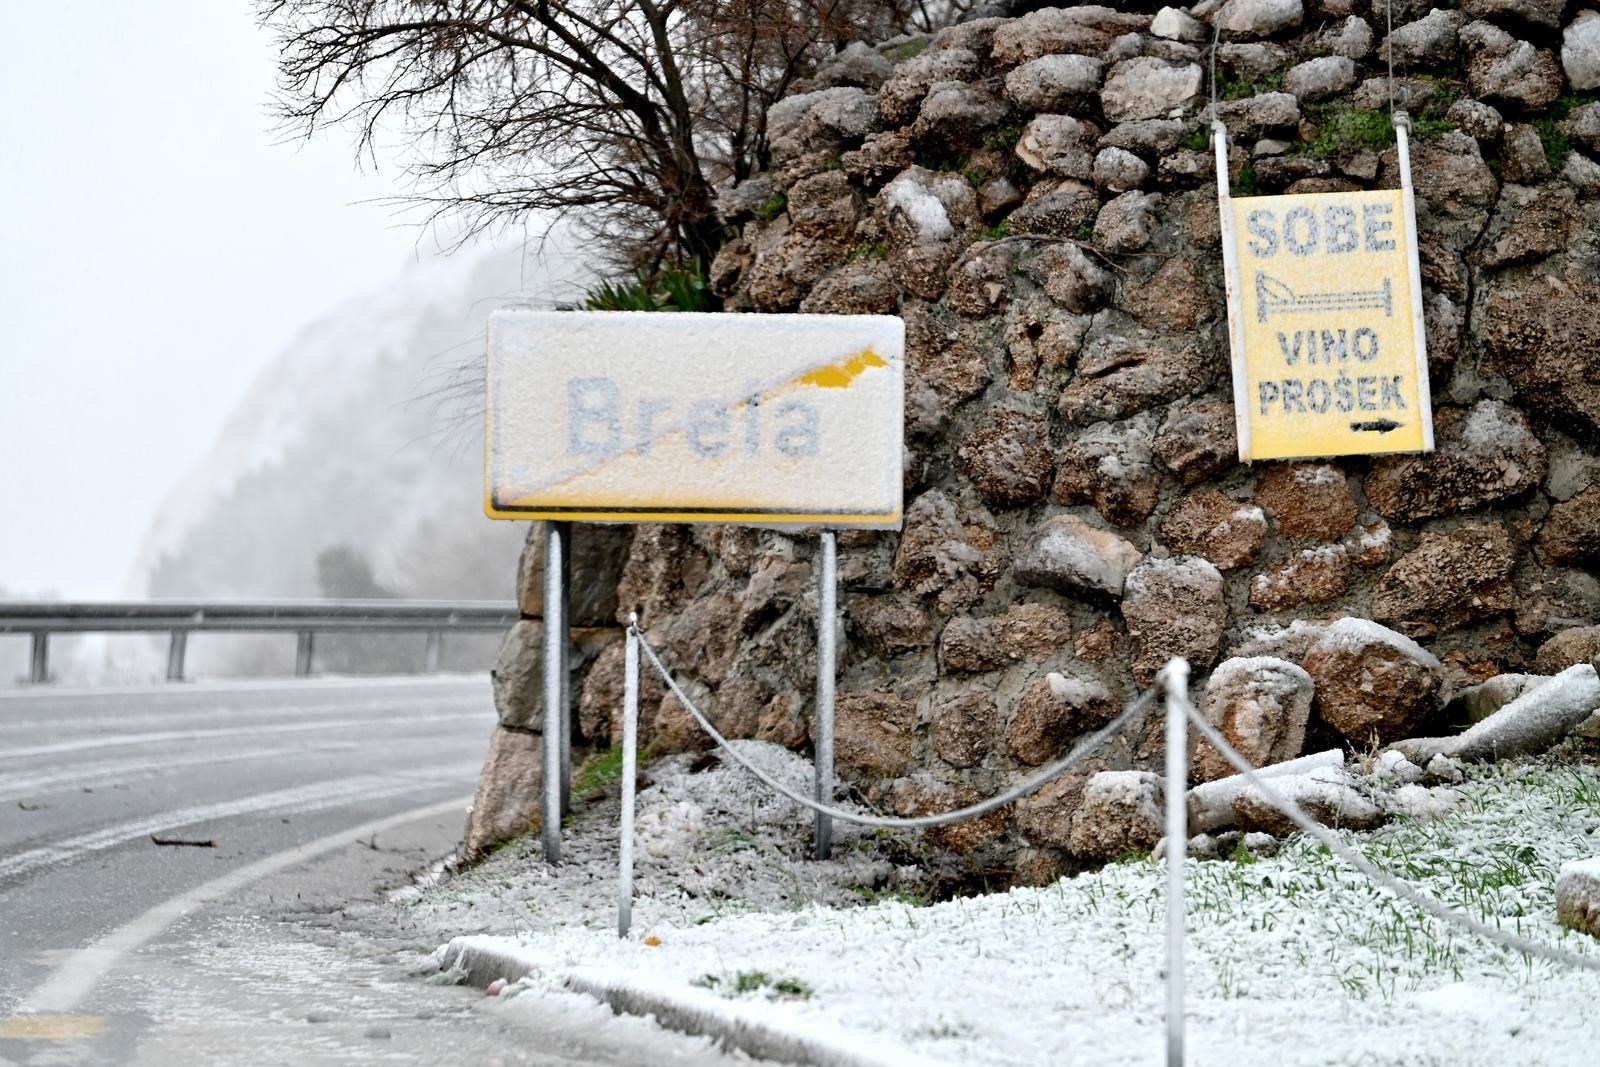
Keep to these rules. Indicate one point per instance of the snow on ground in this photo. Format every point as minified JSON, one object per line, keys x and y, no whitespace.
{"x":1292,"y":959}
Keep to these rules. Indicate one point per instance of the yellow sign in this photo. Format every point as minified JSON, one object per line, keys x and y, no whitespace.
{"x":635,"y":417}
{"x":1326,"y":326}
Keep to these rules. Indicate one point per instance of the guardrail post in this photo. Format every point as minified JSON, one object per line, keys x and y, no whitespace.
{"x":39,"y":661}
{"x":430,"y":657}
{"x":1174,"y":680}
{"x":304,"y":649}
{"x":827,"y":622}
{"x":630,"y":771}
{"x":176,"y":648}
{"x":555,"y":711}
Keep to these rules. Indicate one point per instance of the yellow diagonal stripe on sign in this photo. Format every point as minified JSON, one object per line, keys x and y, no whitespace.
{"x":51,"y":1027}
{"x":840,"y":375}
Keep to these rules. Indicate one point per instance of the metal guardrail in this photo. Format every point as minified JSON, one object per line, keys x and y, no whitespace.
{"x":302,"y":617}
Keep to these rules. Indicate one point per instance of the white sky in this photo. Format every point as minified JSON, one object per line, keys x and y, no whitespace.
{"x":159,"y":248}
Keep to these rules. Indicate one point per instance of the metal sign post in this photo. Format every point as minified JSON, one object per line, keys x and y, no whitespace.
{"x":827,"y":654}
{"x":770,"y":420}
{"x":557,"y":738}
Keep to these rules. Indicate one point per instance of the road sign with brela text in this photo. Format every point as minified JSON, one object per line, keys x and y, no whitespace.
{"x":1327,"y":324}
{"x":654,"y":417}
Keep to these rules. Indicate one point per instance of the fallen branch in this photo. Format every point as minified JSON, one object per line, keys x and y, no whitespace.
{"x":1531,"y":723}
{"x":1211,"y":803}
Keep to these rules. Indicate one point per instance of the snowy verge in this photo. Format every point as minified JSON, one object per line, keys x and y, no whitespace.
{"x":763,"y":1031}
{"x":1293,"y":959}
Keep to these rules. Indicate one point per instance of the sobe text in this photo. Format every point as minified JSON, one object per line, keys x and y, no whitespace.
{"x":1334,"y":230}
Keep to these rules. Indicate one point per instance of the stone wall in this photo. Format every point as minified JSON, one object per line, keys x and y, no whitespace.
{"x":1035,"y":197}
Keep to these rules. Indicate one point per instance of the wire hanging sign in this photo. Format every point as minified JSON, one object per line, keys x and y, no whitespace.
{"x":1325,"y":319}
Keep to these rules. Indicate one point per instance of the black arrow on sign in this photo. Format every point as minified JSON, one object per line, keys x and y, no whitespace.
{"x":1381,"y":425}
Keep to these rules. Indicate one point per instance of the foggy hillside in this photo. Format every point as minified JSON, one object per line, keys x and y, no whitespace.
{"x":353,"y":466}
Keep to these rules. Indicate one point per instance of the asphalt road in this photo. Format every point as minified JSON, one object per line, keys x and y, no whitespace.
{"x":227,"y":950}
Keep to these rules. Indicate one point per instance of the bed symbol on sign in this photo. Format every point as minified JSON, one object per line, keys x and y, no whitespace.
{"x":1275,"y":297}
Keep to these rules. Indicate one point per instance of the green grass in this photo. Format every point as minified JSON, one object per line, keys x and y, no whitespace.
{"x":1557,"y":149}
{"x":1245,"y":184}
{"x":999,"y":230}
{"x":744,"y":983}
{"x":1229,"y":89}
{"x":868,"y":250}
{"x":1002,"y":138}
{"x":1198,"y":140}
{"x":900,"y":895}
{"x":604,"y":770}
{"x":909,"y":50}
{"x":772,"y":207}
{"x":1346,"y":131}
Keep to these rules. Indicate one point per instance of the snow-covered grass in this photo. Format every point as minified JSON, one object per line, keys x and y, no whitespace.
{"x":1292,"y":958}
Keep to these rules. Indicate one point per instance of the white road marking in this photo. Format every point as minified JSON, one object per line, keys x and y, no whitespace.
{"x":72,"y":982}
{"x":64,"y":722}
{"x":233,"y":731}
{"x":300,"y":798}
{"x":22,"y":785}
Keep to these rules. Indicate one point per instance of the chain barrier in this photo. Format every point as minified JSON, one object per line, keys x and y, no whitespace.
{"x":1079,"y":751}
{"x":1331,"y":841}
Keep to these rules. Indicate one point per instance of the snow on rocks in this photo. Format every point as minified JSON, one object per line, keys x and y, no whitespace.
{"x":1578,"y":896}
{"x":1327,"y":795}
{"x":1261,"y":705}
{"x":1055,"y":83}
{"x":825,"y":119}
{"x":1320,"y":78}
{"x":1175,"y":24}
{"x":1371,"y":681}
{"x":1580,"y":51}
{"x":1211,"y":803}
{"x":1251,"y":19}
{"x":1120,"y":813}
{"x":1069,"y":555}
{"x":1531,"y":723}
{"x":1174,"y":607}
{"x":1148,"y":88}
{"x":1394,"y":764}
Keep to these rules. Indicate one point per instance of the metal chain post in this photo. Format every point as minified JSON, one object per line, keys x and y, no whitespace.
{"x":827,"y":624}
{"x":555,"y":636}
{"x":630,"y":771}
{"x":1174,"y":680}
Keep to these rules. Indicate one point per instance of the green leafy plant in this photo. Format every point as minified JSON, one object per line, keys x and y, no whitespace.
{"x":1199,"y":139}
{"x":772,"y":207}
{"x":1229,"y":89}
{"x":668,"y":289}
{"x":1557,"y":148}
{"x":1345,"y":131}
{"x":933,"y":159}
{"x":998,"y":231}
{"x":1002,"y":138}
{"x":1245,"y":183}
{"x":868,"y":250}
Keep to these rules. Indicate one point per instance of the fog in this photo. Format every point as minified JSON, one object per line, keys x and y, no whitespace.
{"x":220,"y":355}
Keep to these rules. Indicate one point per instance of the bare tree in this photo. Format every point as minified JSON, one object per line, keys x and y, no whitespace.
{"x":623,"y":113}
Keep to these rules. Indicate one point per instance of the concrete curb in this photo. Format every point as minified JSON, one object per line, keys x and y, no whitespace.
{"x":762,"y":1031}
